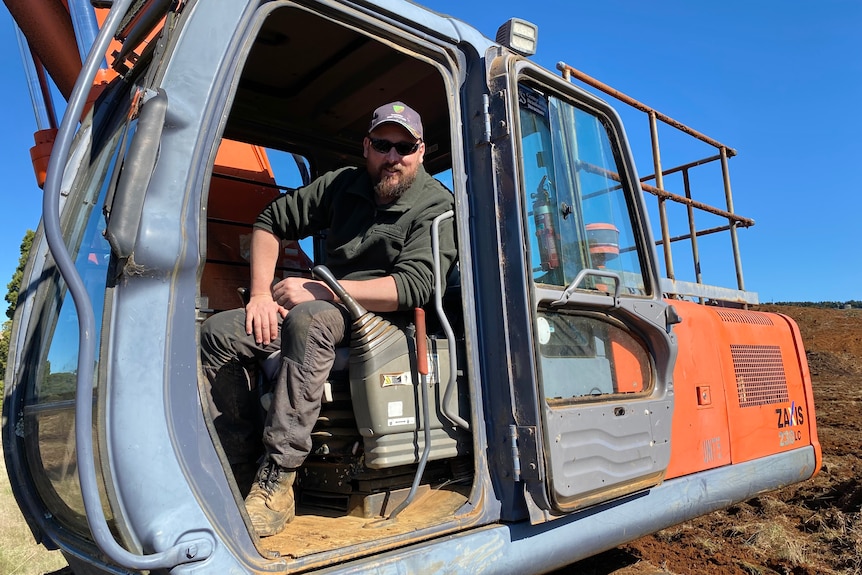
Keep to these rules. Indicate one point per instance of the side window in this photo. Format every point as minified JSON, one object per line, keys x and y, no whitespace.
{"x":581,"y":235}
{"x":51,"y":374}
{"x":585,"y":356}
{"x":578,"y":217}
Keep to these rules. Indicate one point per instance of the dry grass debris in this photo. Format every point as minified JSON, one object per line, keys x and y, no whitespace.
{"x":19,"y":553}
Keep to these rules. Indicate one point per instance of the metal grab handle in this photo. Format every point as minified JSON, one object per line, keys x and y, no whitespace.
{"x":188,"y":551}
{"x":451,"y":385}
{"x":618,"y":286}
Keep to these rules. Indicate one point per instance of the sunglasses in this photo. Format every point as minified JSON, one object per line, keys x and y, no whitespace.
{"x":401,"y":148}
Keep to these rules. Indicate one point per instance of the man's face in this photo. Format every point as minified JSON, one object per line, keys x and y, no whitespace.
{"x":391,"y":172}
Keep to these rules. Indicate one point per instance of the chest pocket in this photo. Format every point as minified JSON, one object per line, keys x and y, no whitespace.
{"x":388,"y":237}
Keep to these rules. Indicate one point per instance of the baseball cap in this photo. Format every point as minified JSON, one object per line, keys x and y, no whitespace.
{"x":398,"y":113}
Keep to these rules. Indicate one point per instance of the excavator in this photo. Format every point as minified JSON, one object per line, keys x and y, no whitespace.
{"x":564,"y":393}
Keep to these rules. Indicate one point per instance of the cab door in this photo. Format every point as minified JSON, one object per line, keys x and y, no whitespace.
{"x":593,"y":395}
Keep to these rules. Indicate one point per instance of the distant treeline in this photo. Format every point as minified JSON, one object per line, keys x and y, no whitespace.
{"x":854,"y":303}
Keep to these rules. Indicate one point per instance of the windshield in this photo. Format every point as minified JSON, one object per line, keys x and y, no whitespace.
{"x":578,"y":214}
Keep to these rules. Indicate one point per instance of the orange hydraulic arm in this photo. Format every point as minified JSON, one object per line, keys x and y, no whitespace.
{"x":48,"y":28}
{"x":50,"y":32}
{"x":240,"y":168}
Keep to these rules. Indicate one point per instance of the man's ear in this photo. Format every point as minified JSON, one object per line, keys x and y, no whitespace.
{"x":365,"y":143}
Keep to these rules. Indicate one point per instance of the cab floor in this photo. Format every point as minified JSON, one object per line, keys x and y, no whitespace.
{"x":316,"y":531}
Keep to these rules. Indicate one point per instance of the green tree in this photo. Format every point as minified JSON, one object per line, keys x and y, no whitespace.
{"x":13,"y":288}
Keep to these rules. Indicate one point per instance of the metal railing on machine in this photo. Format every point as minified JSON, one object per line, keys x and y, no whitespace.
{"x":734,"y":221}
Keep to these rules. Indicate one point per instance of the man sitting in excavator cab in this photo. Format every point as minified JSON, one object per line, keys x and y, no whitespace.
{"x":378,"y":244}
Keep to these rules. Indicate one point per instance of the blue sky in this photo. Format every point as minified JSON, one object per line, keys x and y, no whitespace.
{"x":779,"y":81}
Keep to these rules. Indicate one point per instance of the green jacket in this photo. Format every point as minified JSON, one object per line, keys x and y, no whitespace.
{"x":364,"y":241}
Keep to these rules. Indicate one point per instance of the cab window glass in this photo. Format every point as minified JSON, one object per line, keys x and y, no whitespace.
{"x":586,"y":356}
{"x":578,"y":217}
{"x":50,"y":413}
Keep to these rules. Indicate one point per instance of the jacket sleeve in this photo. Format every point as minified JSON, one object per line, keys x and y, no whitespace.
{"x":414,"y":269}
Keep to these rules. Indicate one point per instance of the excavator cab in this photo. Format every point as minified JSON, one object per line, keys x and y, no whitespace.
{"x":568,"y":390}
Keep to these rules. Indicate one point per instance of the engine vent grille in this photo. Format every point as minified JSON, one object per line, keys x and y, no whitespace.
{"x":760,"y":376}
{"x":737,"y":316}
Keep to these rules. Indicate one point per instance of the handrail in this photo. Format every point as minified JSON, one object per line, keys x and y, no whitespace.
{"x":735,"y":218}
{"x":187,"y":551}
{"x":724,"y":152}
{"x":586,"y":79}
{"x":444,"y":321}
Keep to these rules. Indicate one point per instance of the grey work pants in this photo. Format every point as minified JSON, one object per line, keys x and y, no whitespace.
{"x":309,"y":335}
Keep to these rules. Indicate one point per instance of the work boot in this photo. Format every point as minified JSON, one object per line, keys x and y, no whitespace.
{"x":270,"y":502}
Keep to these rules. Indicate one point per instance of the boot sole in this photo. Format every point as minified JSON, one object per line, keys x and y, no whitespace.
{"x":273,"y":527}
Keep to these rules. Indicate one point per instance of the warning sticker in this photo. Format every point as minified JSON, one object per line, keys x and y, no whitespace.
{"x":387,"y":379}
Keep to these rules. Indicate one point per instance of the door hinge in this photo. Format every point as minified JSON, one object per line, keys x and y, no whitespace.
{"x":486,"y":120}
{"x":494,"y":123}
{"x":525,"y":464}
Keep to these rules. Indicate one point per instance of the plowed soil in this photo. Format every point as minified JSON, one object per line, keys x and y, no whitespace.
{"x":813,"y":528}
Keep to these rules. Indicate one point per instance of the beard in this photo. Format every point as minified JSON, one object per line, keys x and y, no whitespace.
{"x":388,"y":189}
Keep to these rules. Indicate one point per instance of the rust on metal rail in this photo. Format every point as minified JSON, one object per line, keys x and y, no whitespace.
{"x":684,"y":167}
{"x":586,"y":79}
{"x":740,"y":221}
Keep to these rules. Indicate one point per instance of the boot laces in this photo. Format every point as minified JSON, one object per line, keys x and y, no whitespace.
{"x":269,"y":476}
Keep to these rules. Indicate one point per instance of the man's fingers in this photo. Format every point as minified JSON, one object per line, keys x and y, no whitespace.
{"x":266,"y":327}
{"x":262,"y":321}
{"x":273,"y":327}
{"x":259,"y":327}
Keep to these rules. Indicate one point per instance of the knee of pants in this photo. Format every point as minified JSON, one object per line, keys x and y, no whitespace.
{"x":219,"y":331}
{"x":326,"y":321}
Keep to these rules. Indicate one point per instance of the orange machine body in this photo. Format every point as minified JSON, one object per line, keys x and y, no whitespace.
{"x":744,"y":395}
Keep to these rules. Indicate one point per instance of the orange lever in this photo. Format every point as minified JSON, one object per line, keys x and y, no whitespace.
{"x":421,"y":342}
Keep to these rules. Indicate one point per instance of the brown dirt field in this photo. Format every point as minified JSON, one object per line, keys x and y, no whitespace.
{"x":812,"y":528}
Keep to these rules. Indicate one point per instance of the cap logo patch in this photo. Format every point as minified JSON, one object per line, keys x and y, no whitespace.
{"x":398,"y":113}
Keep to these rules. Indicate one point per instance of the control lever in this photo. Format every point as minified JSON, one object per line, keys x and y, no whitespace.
{"x":370,"y":331}
{"x":422,"y":368}
{"x":323,"y":274}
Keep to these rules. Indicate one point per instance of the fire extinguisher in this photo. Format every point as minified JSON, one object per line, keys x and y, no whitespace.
{"x":543,"y":215}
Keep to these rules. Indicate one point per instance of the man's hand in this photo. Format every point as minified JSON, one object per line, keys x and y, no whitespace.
{"x":292,"y":291}
{"x":261,"y":318}
{"x":262,"y":311}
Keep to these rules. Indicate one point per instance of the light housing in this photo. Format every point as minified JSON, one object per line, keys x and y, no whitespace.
{"x":519,"y":36}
